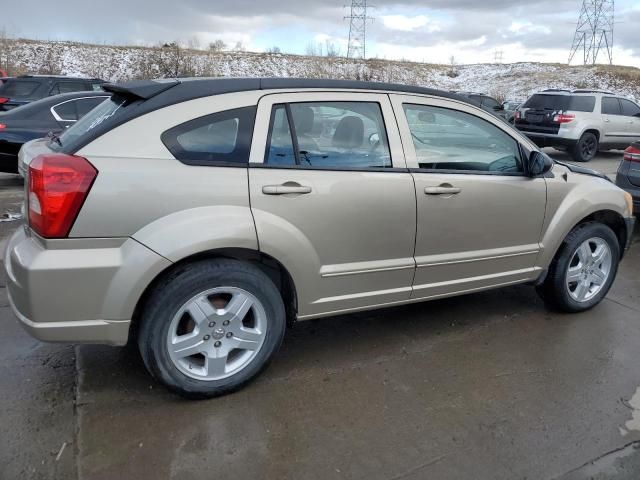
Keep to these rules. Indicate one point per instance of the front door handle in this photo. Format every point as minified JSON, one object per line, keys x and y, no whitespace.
{"x":285,"y":189}
{"x":442,"y":190}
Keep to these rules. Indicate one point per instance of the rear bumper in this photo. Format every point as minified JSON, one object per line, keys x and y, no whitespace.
{"x":545,"y":140}
{"x":77,"y":290}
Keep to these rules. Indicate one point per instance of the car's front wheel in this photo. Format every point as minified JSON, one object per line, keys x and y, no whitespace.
{"x":211,"y":327}
{"x":583,"y":270}
{"x":586,"y":148}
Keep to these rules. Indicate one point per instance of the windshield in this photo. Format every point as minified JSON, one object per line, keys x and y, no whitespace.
{"x":106,"y":110}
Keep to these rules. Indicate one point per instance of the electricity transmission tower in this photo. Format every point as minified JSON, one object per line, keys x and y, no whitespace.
{"x":594,"y":31}
{"x":357,"y":29}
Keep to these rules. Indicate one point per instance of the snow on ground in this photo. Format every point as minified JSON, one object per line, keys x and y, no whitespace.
{"x":116,"y":63}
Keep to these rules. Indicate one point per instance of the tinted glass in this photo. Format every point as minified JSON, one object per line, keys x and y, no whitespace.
{"x":280,"y":149}
{"x":67,"y":111}
{"x":629,"y":108}
{"x":338,"y":135}
{"x":19,"y":88}
{"x":451,"y":140}
{"x":67,"y":87}
{"x":582,"y":104}
{"x":547,"y":102}
{"x":223,"y":137}
{"x":489,"y":102}
{"x":610,"y":106}
{"x":106,"y":111}
{"x":85,"y":105}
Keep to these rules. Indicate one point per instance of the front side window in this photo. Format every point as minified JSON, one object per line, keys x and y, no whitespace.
{"x":629,"y":109}
{"x":68,"y":87}
{"x":490,"y":103}
{"x":610,"y":106}
{"x":328,"y":135}
{"x":451,"y":140}
{"x":223,"y":137}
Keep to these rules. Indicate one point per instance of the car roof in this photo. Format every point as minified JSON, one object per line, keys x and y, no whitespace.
{"x":60,"y":77}
{"x":183,"y":89}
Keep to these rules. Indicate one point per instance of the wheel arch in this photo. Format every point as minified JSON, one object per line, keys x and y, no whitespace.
{"x":273,"y":268}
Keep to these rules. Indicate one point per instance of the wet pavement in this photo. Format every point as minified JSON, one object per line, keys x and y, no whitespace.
{"x":486,"y":386}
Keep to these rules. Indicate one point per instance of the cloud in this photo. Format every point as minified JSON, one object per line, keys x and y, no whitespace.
{"x":408,"y":24}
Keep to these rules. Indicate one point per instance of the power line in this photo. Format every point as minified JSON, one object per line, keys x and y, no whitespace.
{"x":357,"y":29}
{"x":594,"y":31}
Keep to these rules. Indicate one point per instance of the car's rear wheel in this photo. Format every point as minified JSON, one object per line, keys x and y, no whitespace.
{"x":583,"y":270}
{"x":211,"y":327}
{"x":586,"y":148}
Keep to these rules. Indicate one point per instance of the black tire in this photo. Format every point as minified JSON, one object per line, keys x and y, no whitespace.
{"x":586,"y":148}
{"x":182,"y":285}
{"x":554,"y":291}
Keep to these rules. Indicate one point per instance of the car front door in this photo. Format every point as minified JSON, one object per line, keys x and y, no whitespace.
{"x":479,"y":216}
{"x":631,"y":113}
{"x":615,"y":124}
{"x":332,"y":198}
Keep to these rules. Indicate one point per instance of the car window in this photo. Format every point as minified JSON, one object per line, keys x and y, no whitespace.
{"x":610,"y":106}
{"x":96,"y":87}
{"x":85,"y":105}
{"x":280,"y":146}
{"x":68,"y":87}
{"x":447,"y":139}
{"x":223,"y":137}
{"x":547,"y":102}
{"x":19,"y":88}
{"x":66,"y":111}
{"x":582,"y":104}
{"x":629,"y":109}
{"x":489,"y":102}
{"x":329,"y":135}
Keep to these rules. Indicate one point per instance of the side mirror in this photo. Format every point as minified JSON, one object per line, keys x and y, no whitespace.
{"x":538,"y":164}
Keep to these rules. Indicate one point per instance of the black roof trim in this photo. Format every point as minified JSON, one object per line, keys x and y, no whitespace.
{"x":143,"y":89}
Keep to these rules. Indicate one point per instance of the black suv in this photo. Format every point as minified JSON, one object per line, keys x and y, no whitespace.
{"x":489,"y":104}
{"x":27,"y":88}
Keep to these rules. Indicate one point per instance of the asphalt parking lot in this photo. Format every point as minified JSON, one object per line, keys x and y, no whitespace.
{"x":487,"y":386}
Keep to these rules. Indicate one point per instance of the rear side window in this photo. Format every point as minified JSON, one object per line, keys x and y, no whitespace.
{"x":338,"y":135}
{"x":582,"y":104}
{"x":68,"y":87}
{"x":85,"y":105}
{"x":66,"y":111}
{"x":629,"y":109}
{"x":19,"y":88}
{"x":222,"y":138}
{"x":610,"y":106}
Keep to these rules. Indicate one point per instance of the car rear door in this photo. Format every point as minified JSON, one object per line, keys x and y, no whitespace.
{"x":615,"y":124}
{"x":479,"y":217}
{"x":332,"y":198}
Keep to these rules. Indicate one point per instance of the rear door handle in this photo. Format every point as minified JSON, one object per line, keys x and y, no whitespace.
{"x":285,"y":189}
{"x":442,"y":190}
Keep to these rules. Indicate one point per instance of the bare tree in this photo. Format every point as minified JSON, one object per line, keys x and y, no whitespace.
{"x":332,"y":49}
{"x":239,"y":47}
{"x":217,"y":46}
{"x":453,"y":72}
{"x":6,"y":55}
{"x":274,"y":49}
{"x":194,"y":43}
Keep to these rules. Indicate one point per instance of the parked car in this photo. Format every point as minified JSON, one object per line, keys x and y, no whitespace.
{"x":510,"y":107}
{"x":628,"y":177}
{"x":198,"y":216}
{"x":28,"y":88}
{"x":580,"y":122}
{"x":487,"y":102}
{"x":37,"y":119}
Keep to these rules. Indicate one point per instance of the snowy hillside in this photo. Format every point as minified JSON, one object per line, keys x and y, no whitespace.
{"x":513,"y":81}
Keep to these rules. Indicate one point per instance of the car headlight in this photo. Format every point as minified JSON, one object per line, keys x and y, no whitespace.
{"x":629,"y":199}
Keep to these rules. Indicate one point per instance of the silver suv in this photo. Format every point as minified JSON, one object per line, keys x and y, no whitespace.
{"x":198,"y":217}
{"x":580,"y":122}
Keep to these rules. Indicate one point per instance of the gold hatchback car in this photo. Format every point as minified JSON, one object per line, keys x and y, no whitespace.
{"x":198,"y":216}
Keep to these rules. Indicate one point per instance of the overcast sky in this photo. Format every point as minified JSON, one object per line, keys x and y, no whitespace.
{"x":469,"y":30}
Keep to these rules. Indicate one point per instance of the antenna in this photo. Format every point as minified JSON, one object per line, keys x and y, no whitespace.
{"x":594,"y":31}
{"x":357,"y":29}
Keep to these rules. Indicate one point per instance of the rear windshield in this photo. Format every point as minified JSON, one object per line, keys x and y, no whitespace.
{"x":18,"y":88}
{"x":107,"y":111}
{"x":561,"y":102}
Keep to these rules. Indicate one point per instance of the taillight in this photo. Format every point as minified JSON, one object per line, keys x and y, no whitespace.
{"x":517,"y":115}
{"x":564,"y":118}
{"x":2,"y":126}
{"x":632,"y":154}
{"x":4,"y":99}
{"x":58,"y":186}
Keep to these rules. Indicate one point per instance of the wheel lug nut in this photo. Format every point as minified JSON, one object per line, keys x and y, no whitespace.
{"x":206,"y":337}
{"x":229,"y":334}
{"x":212,"y":324}
{"x":217,"y":344}
{"x":225,"y":323}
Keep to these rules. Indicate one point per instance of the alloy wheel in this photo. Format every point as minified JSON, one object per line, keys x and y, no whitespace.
{"x":589,"y":269}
